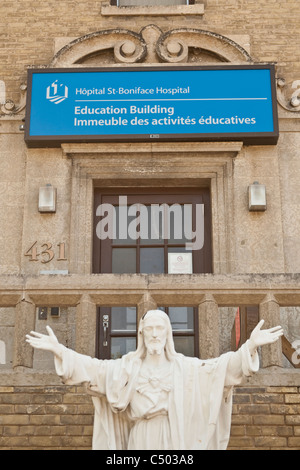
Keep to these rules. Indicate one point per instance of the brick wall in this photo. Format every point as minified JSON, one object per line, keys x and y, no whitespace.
{"x":54,"y":417}
{"x":60,"y":417}
{"x":266,"y":418}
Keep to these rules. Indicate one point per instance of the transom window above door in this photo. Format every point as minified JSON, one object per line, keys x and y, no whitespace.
{"x":152,"y":232}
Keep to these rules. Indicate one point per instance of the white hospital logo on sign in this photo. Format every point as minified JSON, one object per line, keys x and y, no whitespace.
{"x":57,"y":92}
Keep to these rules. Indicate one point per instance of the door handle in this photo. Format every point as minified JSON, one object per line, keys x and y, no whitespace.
{"x":105,"y":323}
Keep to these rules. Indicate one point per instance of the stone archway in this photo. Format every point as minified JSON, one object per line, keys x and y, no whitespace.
{"x":150,"y":45}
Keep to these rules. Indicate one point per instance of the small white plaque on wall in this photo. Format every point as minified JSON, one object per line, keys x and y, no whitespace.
{"x":180,"y":263}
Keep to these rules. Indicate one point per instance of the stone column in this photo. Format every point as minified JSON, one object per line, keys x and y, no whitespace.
{"x":86,"y":320}
{"x":208,"y":314}
{"x":24,"y":323}
{"x":269,"y":310}
{"x":146,"y":303}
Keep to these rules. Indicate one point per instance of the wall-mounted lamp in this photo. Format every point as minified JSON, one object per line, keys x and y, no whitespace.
{"x":257,"y":197}
{"x":47,"y":198}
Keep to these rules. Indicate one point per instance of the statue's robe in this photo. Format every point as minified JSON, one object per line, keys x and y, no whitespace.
{"x":200,"y":400}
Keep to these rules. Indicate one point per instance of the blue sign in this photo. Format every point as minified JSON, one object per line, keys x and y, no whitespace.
{"x":146,"y":104}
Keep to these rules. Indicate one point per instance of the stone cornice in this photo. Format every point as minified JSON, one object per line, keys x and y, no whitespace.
{"x":227,"y":289}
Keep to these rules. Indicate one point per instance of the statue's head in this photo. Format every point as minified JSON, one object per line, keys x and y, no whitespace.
{"x":155,"y":334}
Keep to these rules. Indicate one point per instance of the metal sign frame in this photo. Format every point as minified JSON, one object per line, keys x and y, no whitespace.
{"x":54,"y":97}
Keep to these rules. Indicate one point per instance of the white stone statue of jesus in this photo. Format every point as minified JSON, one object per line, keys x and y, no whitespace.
{"x":155,"y":398}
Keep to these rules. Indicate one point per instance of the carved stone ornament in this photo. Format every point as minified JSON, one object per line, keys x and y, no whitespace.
{"x":150,"y":46}
{"x":291,"y":104}
{"x":9,"y":108}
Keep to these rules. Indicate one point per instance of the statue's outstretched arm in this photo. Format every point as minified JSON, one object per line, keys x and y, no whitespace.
{"x":73,"y":367}
{"x":46,"y":342}
{"x":241,"y":363}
